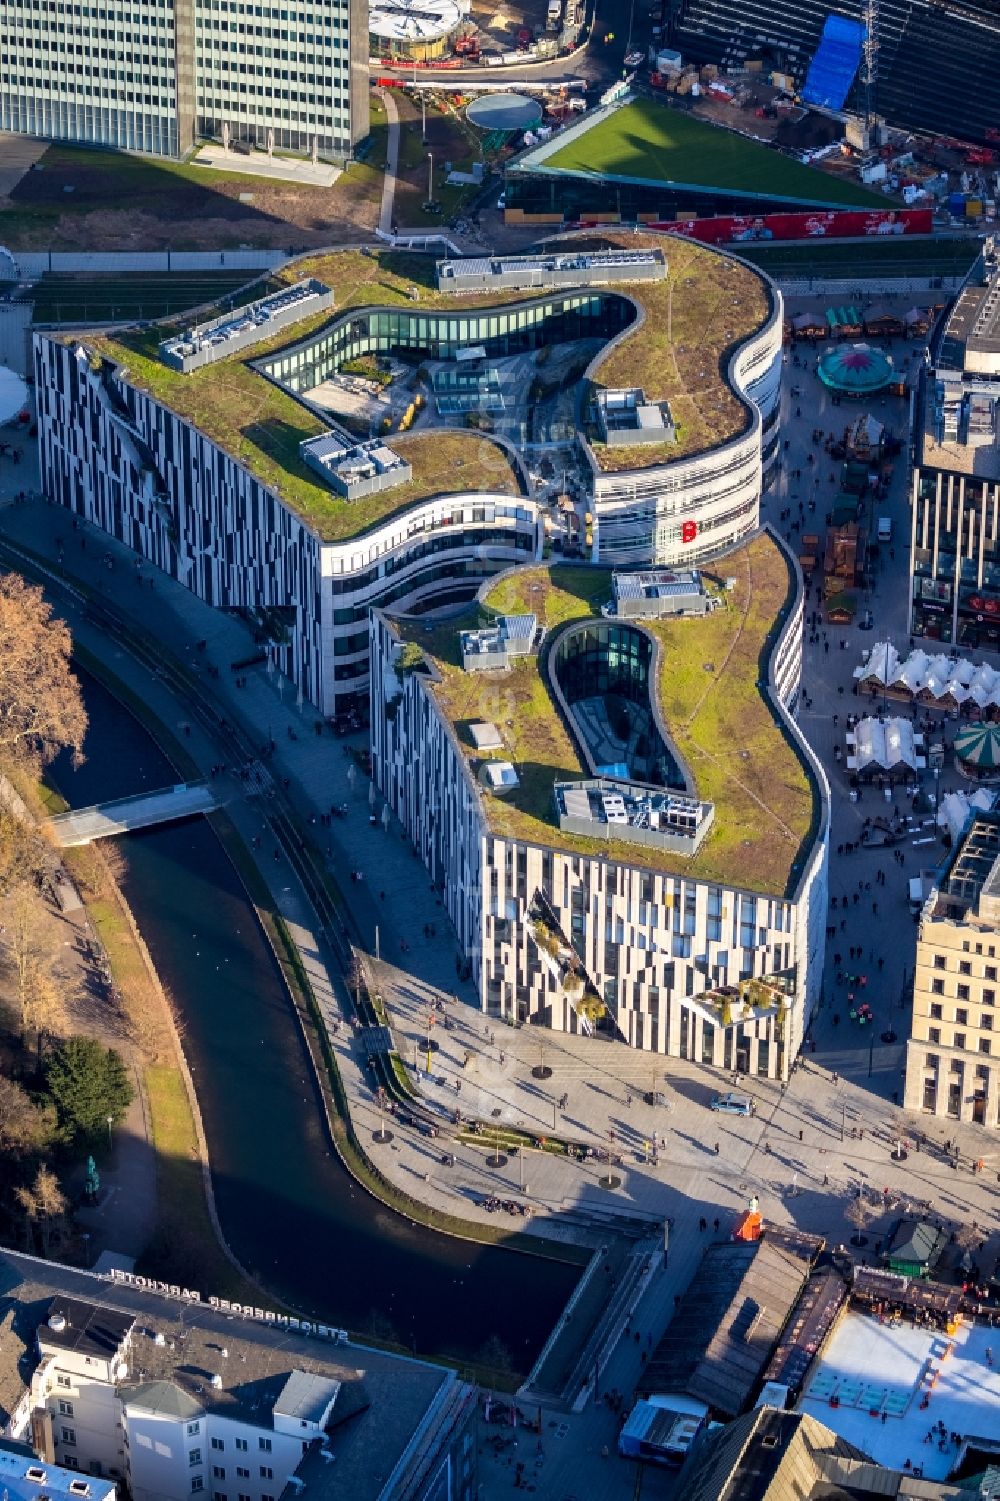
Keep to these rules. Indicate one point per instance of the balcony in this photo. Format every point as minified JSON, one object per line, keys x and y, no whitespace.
{"x":755,"y":999}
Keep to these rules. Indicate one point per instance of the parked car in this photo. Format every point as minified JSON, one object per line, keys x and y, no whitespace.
{"x":734,"y":1104}
{"x":634,"y":59}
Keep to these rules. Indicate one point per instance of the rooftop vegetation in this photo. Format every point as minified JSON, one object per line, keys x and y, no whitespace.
{"x":659,"y":143}
{"x":690,"y":324}
{"x":262,"y":426}
{"x":710,"y":671}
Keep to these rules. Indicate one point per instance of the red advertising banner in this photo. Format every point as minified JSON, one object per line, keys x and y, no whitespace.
{"x":832,"y":224}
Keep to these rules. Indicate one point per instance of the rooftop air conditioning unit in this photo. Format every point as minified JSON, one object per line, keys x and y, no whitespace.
{"x":159,"y":1338}
{"x":57,"y":1322}
{"x":217,"y":1381}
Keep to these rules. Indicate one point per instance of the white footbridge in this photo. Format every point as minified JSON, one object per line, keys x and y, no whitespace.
{"x":144,"y":811}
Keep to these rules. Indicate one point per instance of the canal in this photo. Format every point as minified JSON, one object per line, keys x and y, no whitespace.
{"x":288,"y":1207}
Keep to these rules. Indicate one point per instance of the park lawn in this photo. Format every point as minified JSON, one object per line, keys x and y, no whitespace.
{"x":108,"y":200}
{"x":766,"y":803}
{"x":649,"y":140}
{"x":185,"y":1248}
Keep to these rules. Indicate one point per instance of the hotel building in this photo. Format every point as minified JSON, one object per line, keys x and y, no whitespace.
{"x":953,"y":1055}
{"x":174,"y":1399}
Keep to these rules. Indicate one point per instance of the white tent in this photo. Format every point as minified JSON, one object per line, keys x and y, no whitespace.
{"x":882,"y":663}
{"x":953,"y":814}
{"x":884,"y":745}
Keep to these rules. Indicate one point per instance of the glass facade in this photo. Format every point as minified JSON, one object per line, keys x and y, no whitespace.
{"x":151,"y":75}
{"x":567,"y":197}
{"x":603,"y":671}
{"x":955,"y":586}
{"x":428,"y":335}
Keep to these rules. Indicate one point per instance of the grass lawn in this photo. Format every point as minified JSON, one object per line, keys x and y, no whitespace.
{"x":108,"y":200}
{"x":737,"y":752}
{"x":185,"y":1248}
{"x":649,"y":140}
{"x":262,"y":426}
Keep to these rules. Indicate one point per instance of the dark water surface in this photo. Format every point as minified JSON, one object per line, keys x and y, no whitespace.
{"x":288,"y":1207}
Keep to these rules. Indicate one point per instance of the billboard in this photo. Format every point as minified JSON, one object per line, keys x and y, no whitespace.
{"x":824,"y":224}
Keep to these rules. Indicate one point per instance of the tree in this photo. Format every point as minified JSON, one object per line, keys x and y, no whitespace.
{"x":44,"y":1206}
{"x":88,"y":1083}
{"x":41,"y":709}
{"x":22,"y":1123}
{"x":38,"y":992}
{"x":22,"y":851}
{"x":860,"y":1214}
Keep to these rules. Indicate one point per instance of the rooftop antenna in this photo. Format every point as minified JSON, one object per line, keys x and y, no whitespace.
{"x":870,"y":75}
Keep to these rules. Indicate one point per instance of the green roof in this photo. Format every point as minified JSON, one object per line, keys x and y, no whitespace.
{"x":652,"y":142}
{"x":742,"y":760}
{"x":716,"y":303}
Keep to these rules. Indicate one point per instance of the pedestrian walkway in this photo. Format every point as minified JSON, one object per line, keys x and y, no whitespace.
{"x":106,"y":820}
{"x":385,"y":219}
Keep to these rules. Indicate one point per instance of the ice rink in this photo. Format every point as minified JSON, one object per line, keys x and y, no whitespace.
{"x":870,"y":1368}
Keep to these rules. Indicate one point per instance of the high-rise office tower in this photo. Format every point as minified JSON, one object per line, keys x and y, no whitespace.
{"x":154,"y":75}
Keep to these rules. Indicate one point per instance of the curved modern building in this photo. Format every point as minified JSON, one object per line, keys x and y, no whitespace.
{"x":625,"y":842}
{"x":211,"y":455}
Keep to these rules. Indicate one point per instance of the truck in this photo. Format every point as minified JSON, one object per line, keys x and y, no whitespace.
{"x":554,"y":15}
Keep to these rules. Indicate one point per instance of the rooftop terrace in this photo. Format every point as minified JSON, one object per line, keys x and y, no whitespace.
{"x":715,"y":303}
{"x":708,"y":696}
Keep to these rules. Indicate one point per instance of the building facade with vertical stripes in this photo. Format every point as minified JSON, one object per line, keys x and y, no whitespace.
{"x":955,"y":556}
{"x":156,"y":75}
{"x":661,"y":943}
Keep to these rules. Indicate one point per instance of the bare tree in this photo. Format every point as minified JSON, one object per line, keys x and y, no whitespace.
{"x":22,"y":1123}
{"x":41,"y":709}
{"x":22,"y":852}
{"x":44,"y":1205}
{"x":860,"y":1214}
{"x":37,"y":991}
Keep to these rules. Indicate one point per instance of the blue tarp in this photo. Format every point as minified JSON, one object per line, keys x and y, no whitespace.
{"x":832,"y":70}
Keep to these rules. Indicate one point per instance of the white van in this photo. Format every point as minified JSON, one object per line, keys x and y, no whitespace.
{"x":734,"y":1104}
{"x":884,"y":529}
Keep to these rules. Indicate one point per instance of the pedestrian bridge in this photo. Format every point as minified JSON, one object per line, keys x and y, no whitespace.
{"x":144,"y":811}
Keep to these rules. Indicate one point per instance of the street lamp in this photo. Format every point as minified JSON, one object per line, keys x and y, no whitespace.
{"x":110,"y":1123}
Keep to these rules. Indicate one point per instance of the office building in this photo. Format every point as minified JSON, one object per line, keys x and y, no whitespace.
{"x":292,"y":523}
{"x":160,"y":74}
{"x":955,"y":555}
{"x":174,"y":1398}
{"x":953,"y":1055}
{"x":602,"y":872}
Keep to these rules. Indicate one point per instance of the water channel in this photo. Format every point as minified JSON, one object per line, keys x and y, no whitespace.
{"x":288,"y":1207}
